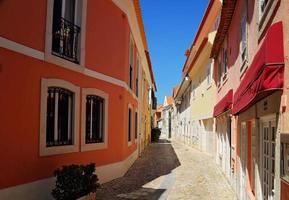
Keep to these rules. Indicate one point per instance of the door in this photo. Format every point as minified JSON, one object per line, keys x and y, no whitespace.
{"x":243,"y":160}
{"x":268,"y":132}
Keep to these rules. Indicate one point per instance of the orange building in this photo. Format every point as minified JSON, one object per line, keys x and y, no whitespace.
{"x":71,"y":90}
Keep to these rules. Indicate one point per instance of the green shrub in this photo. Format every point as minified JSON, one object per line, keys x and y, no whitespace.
{"x":74,"y":181}
{"x":155,"y":134}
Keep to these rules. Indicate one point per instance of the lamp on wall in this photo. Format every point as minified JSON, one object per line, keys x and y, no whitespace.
{"x":187,"y":78}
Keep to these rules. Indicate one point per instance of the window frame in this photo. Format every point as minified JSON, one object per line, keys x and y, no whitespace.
{"x":264,"y":17}
{"x":105,"y":96}
{"x":224,"y":65}
{"x":209,"y":73}
{"x":243,"y":50}
{"x":136,"y":125}
{"x":54,"y":150}
{"x":51,"y":58}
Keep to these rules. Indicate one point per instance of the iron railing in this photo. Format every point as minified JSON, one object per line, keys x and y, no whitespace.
{"x":66,"y":40}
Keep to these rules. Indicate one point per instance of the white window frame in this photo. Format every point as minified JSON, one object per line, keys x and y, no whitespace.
{"x":264,"y":17}
{"x":105,"y":96}
{"x":131,"y":124}
{"x":48,"y":56}
{"x":209,"y":73}
{"x":266,"y":121}
{"x":136,"y":134}
{"x":262,"y":14}
{"x":54,"y":150}
{"x":193,"y":91}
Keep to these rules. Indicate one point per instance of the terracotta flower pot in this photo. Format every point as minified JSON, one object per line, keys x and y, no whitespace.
{"x":90,"y":196}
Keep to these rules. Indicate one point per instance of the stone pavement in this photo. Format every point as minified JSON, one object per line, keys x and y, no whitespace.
{"x":169,"y":170}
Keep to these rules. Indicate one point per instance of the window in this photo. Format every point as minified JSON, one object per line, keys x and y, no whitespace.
{"x":137,"y":72}
{"x":131,"y":60}
{"x":58,"y":117}
{"x":94,"y":119}
{"x":193,"y":91}
{"x":129,"y":129}
{"x":243,"y":50}
{"x":136,"y":124}
{"x":94,"y":132}
{"x":263,"y":4}
{"x":225,"y":61}
{"x":219,"y":71}
{"x":66,"y":29}
{"x":209,"y":74}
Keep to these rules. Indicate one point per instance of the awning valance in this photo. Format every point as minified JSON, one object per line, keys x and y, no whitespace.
{"x":224,"y":104}
{"x":265,"y":74}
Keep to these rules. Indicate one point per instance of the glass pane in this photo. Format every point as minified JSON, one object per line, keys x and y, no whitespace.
{"x":63,"y":100}
{"x":50,"y":117}
{"x":94,"y":119}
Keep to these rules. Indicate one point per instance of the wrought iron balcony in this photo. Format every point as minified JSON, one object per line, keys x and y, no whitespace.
{"x":66,"y":40}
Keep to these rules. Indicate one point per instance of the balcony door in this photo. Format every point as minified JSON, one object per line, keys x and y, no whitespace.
{"x":66,"y":29}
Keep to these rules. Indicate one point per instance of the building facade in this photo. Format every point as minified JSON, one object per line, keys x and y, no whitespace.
{"x":72,"y":90}
{"x":196,"y":95}
{"x":166,"y":123}
{"x":250,"y":51}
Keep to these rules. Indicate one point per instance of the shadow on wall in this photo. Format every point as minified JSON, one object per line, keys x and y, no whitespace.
{"x":144,"y":179}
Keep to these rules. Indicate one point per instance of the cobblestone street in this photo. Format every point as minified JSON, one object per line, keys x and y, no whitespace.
{"x":170,"y":170}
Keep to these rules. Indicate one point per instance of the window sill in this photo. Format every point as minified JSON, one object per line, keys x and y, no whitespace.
{"x":48,"y":151}
{"x":129,"y":143}
{"x":94,"y":146}
{"x":48,"y":57}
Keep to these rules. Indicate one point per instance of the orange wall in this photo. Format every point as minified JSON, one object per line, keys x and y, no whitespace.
{"x":107,"y":39}
{"x":24,"y":22}
{"x":284,"y":190}
{"x":20,"y":79}
{"x":107,"y":32}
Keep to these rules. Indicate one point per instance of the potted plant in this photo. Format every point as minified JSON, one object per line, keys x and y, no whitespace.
{"x":75,"y":182}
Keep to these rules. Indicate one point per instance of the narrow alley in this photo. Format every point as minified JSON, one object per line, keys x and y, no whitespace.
{"x":175,"y":172}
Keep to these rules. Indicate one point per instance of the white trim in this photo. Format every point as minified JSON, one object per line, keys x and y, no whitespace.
{"x":104,"y":77}
{"x":138,"y":124}
{"x":19,"y":48}
{"x":269,"y":117}
{"x":13,"y":46}
{"x":43,"y":150}
{"x":105,"y":96}
{"x":41,"y":189}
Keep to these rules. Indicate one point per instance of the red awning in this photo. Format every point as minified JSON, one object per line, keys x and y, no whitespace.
{"x":224,"y":104}
{"x":265,"y":74}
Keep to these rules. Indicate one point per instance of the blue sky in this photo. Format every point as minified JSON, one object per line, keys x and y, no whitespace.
{"x":170,"y":27}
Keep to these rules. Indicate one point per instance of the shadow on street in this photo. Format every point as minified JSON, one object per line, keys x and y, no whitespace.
{"x":157,"y":160}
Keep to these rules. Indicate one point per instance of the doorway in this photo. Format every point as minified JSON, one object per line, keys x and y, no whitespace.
{"x":268,"y":134}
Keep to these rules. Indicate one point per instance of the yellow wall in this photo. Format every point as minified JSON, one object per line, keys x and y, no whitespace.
{"x":145,"y":122}
{"x":202,"y":104}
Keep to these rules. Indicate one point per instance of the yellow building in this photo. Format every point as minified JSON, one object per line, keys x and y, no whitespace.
{"x":148,"y":105}
{"x":196,"y":97}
